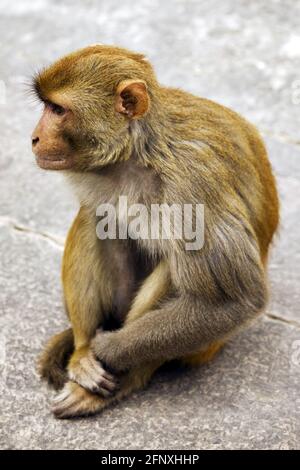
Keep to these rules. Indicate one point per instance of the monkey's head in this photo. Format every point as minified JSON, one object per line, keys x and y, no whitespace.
{"x":90,"y":98}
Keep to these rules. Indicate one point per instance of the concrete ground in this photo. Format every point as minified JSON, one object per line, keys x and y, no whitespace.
{"x":243,"y":54}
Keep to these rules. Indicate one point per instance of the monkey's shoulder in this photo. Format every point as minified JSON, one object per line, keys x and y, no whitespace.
{"x":203,"y":120}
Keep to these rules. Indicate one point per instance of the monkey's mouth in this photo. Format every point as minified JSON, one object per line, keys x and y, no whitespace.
{"x":53,"y":162}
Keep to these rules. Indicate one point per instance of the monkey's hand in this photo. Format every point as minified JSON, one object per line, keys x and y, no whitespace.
{"x":87,"y":371}
{"x":108,"y":347}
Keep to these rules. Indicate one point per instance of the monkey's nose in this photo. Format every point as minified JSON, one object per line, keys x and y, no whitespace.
{"x":35,"y":140}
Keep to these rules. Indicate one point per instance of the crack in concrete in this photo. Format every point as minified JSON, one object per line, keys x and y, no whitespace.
{"x":280,"y":319}
{"x":15,"y":225}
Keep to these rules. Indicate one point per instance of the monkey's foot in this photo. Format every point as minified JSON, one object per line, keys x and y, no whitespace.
{"x":86,"y":371}
{"x":75,"y":401}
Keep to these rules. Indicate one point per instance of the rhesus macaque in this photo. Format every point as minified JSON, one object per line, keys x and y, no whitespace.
{"x":136,"y":304}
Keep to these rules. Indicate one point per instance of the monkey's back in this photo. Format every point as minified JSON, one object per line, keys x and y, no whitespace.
{"x":228,"y":156}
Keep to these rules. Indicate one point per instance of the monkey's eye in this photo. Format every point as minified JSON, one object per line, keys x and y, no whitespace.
{"x":56,"y":108}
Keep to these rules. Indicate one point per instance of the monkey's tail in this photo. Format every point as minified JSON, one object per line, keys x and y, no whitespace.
{"x":54,"y":359}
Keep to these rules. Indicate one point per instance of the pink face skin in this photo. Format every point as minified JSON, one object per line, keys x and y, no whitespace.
{"x":52,"y":152}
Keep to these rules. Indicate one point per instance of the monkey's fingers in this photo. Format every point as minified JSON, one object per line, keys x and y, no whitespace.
{"x":74,"y":401}
{"x":95,"y":378}
{"x":90,"y":374}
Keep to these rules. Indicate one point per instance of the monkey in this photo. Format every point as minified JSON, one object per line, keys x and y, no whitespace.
{"x":135,"y":304}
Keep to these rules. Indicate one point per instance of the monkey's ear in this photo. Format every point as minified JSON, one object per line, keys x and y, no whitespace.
{"x":132,"y":98}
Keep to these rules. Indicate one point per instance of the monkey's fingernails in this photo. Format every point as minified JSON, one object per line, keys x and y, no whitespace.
{"x":108,"y":384}
{"x":96,"y":390}
{"x":109,"y":376}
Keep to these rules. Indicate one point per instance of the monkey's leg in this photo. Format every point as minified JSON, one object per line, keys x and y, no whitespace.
{"x":87,"y":294}
{"x":75,"y":400}
{"x":154,"y":289}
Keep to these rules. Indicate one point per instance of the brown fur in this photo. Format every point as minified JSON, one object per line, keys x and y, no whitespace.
{"x":127,"y":135}
{"x":54,"y":359}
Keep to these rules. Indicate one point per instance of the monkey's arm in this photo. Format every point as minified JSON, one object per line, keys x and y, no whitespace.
{"x":86,"y":290}
{"x":218,"y":290}
{"x":88,"y":293}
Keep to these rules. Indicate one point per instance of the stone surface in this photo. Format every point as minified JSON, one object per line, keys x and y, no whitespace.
{"x":243,"y":54}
